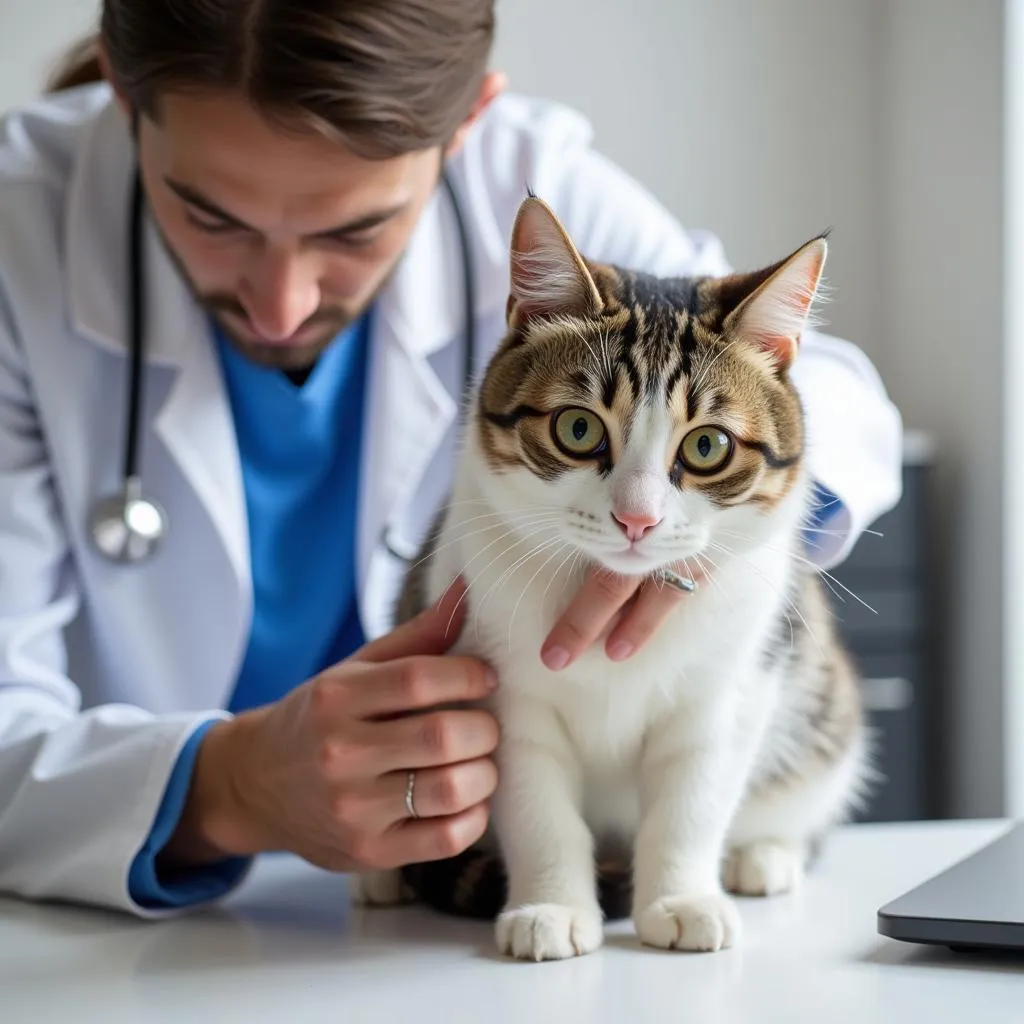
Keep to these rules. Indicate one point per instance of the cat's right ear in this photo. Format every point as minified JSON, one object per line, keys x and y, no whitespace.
{"x":549,"y":276}
{"x":773,"y":317}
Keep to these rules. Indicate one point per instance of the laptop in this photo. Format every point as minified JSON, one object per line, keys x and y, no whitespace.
{"x":977,"y":904}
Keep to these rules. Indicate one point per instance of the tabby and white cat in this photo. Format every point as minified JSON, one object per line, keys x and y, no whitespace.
{"x":639,"y":423}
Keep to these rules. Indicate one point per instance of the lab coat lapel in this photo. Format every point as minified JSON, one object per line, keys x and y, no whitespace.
{"x":195,"y":423}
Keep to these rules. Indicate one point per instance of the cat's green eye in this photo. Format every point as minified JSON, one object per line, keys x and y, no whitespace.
{"x":579,"y":433}
{"x":705,"y":450}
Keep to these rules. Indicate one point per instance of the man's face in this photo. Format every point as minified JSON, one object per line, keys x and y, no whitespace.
{"x":284,"y":239}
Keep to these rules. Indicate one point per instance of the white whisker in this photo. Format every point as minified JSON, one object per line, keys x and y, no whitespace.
{"x":805,"y":561}
{"x":521,"y":540}
{"x":572,"y":569}
{"x":533,"y":521}
{"x":707,"y":369}
{"x":579,"y":332}
{"x":606,"y":351}
{"x":711,"y":576}
{"x":529,"y":582}
{"x":787,"y":601}
{"x":573,"y":551}
{"x":836,"y":533}
{"x":522,"y":519}
{"x":536,"y":550}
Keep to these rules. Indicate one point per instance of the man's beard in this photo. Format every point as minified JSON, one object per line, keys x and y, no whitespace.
{"x":330,"y":321}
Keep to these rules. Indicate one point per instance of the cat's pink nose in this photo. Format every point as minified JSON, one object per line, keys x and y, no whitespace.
{"x":635,"y":525}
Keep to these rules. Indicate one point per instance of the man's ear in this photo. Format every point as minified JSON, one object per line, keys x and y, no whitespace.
{"x":492,"y":86}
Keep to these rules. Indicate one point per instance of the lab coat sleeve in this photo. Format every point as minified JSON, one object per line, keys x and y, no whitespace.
{"x":79,"y":789}
{"x":147,"y":884}
{"x":854,"y":431}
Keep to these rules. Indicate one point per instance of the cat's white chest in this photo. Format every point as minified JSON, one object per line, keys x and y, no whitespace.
{"x":606,"y":709}
{"x":604,"y":719}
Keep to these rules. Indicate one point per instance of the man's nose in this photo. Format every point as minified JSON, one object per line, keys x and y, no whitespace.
{"x":280,"y":294}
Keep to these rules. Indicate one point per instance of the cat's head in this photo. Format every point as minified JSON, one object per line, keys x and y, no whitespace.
{"x":649,"y":419}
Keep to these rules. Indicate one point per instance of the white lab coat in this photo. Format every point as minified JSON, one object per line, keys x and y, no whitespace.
{"x":106,"y":670}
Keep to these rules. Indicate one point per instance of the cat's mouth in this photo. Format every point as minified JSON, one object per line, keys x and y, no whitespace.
{"x":637,"y":559}
{"x":634,"y":561}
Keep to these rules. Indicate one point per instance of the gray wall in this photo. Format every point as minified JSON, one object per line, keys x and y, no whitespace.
{"x":767,"y":120}
{"x":33,"y":35}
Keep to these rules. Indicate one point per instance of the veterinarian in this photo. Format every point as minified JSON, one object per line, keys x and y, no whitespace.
{"x":243,"y":283}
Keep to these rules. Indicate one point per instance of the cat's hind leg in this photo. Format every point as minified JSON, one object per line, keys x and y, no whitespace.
{"x":776,"y":827}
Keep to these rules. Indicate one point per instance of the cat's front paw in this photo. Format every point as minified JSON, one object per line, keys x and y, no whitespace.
{"x":549,"y":931}
{"x":379,"y":889}
{"x":764,"y":868}
{"x":696,"y":923}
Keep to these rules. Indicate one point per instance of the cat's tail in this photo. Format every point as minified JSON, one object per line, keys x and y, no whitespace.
{"x":473,"y":884}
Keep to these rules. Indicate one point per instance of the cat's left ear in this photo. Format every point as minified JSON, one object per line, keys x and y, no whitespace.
{"x":775,"y":315}
{"x":549,"y":277}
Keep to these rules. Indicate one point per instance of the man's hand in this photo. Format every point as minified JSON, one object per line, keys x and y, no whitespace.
{"x":636,"y":607}
{"x":323,"y":772}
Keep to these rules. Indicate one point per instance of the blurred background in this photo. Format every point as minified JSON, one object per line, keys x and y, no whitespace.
{"x":900,"y":125}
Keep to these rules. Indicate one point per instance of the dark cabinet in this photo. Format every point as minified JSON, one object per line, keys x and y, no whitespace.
{"x":891,"y":647}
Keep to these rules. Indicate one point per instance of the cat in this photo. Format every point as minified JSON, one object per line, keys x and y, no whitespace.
{"x":636,"y":423}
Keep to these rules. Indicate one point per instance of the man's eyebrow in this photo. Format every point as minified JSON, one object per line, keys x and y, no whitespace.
{"x":197,"y":199}
{"x":363,"y":223}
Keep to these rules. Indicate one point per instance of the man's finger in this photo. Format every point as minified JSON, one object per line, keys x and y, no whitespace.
{"x":653,"y":605}
{"x":433,"y":631}
{"x":430,"y":739}
{"x":417,"y":840}
{"x":437,"y":793}
{"x":598,"y":600}
{"x":416,"y":683}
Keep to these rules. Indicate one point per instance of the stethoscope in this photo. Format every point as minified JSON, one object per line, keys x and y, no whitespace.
{"x":127,"y":527}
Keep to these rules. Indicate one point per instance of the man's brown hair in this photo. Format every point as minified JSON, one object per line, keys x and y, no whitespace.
{"x":385,"y":77}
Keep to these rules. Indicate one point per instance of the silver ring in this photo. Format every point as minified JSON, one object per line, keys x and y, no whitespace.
{"x":410,"y":786}
{"x":681,"y":583}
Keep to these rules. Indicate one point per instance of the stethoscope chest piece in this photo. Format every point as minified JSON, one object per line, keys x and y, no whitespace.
{"x":127,"y":527}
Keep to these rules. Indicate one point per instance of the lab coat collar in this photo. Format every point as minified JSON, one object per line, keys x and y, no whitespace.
{"x":96,"y":248}
{"x":423,"y":303}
